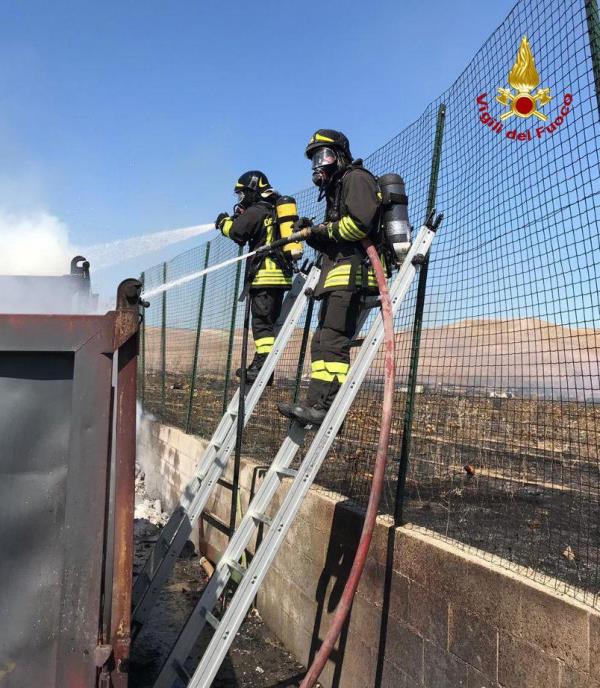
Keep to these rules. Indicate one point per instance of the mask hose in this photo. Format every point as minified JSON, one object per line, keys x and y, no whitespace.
{"x":366,"y":536}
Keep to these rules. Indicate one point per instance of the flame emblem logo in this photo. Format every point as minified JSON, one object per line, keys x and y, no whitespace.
{"x":524,"y":78}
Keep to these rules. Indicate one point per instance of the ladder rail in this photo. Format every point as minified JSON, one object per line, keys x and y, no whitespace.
{"x":177,"y":519}
{"x":211,"y":467}
{"x":222,"y":573}
{"x":240,"y":541}
{"x":238,"y":608}
{"x":263,"y":498}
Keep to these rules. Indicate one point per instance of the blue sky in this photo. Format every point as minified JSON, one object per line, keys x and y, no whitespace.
{"x":131,"y":117}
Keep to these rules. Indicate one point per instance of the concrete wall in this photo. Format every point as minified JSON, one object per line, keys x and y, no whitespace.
{"x":168,"y":457}
{"x":451,"y":619}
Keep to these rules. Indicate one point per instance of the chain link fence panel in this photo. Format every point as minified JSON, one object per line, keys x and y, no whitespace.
{"x":504,"y":446}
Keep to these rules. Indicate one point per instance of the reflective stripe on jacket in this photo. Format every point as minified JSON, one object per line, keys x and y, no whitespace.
{"x":352,"y":214}
{"x":270,"y":273}
{"x":255,"y":227}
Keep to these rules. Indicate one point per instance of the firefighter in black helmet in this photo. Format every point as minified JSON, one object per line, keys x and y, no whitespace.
{"x":267,"y":277}
{"x":352,"y":214}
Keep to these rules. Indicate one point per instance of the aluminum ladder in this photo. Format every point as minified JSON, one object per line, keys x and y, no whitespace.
{"x":212,"y":464}
{"x":226,"y":628}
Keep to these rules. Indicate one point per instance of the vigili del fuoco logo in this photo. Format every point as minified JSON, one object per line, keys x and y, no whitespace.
{"x":523,"y":101}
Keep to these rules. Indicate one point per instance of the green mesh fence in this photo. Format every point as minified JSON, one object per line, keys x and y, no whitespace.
{"x":505,"y":426}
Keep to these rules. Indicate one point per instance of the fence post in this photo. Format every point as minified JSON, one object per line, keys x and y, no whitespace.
{"x":418,"y":322}
{"x":188,"y":421}
{"x":143,"y":348}
{"x":232,"y":329}
{"x":593,"y":23}
{"x":163,"y":345}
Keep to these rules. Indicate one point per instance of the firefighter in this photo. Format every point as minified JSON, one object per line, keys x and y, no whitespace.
{"x":267,"y":277}
{"x":352,"y":213}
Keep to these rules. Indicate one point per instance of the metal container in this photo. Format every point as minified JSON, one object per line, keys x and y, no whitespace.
{"x":67,"y":463}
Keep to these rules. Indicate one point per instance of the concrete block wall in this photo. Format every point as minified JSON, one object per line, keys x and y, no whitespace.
{"x":427,"y":614}
{"x":168,"y":458}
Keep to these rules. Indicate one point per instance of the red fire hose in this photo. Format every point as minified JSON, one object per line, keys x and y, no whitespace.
{"x":362,"y":550}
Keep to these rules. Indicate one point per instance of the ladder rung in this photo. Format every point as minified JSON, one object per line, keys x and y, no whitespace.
{"x":235,"y":566}
{"x":180,"y":671}
{"x":287,"y":472}
{"x":262,"y":518}
{"x":197,"y":492}
{"x":211,"y":619}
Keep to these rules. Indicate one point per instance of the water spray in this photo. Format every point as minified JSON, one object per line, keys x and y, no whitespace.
{"x":263,"y":250}
{"x":114,"y":252}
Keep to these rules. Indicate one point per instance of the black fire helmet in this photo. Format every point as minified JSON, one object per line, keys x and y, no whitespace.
{"x":252,"y":187}
{"x":253,"y":180}
{"x":331,"y":139}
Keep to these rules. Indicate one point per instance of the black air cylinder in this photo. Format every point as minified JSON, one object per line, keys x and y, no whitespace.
{"x":396,"y":226}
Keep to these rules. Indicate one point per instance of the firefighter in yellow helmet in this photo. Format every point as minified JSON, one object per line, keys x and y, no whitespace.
{"x":267,"y":277}
{"x":352,"y":213}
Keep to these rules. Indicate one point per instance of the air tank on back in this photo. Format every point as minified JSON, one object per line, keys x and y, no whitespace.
{"x":395,"y":223}
{"x":287,"y":214}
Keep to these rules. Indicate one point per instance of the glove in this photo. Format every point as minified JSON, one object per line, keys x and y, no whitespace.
{"x":301,"y":223}
{"x":318,"y":238}
{"x":320,"y":231}
{"x":221,"y":217}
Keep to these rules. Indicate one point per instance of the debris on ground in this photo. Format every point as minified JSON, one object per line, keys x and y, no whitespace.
{"x":256,"y":659}
{"x":147,"y":509}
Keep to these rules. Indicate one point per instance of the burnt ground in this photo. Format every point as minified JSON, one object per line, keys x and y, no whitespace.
{"x":531,"y":494}
{"x":256,"y":659}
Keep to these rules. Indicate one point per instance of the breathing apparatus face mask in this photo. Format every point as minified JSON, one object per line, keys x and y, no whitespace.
{"x":244,"y":200}
{"x":324,"y":165}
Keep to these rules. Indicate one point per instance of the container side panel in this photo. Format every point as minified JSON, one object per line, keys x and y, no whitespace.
{"x":35,"y":422}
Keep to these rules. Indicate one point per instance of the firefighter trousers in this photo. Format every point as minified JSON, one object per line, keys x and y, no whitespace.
{"x":330,"y":348}
{"x":265,"y":306}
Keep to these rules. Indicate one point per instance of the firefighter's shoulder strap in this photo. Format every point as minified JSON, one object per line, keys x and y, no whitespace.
{"x":279,"y":256}
{"x":254,"y":264}
{"x":354,"y":165}
{"x":357,"y":164}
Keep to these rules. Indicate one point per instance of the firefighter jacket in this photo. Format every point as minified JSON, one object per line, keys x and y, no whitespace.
{"x":352,"y":214}
{"x":256,"y":227}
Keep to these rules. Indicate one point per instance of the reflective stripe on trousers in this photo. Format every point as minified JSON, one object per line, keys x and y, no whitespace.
{"x":328,"y":371}
{"x":264,"y":345}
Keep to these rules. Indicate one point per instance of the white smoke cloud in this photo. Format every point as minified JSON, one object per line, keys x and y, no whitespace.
{"x":34,"y":243}
{"x":38,"y":243}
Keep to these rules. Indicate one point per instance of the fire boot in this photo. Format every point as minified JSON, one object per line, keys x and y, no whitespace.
{"x":318,"y":400}
{"x":253,"y":369}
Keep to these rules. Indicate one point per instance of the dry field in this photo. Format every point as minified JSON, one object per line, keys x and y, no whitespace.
{"x":518,"y":477}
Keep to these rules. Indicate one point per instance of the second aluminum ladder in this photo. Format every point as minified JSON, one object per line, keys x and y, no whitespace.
{"x":212,"y":464}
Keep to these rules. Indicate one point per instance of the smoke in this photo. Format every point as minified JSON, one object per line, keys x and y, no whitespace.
{"x":37,"y":243}
{"x":34,"y":243}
